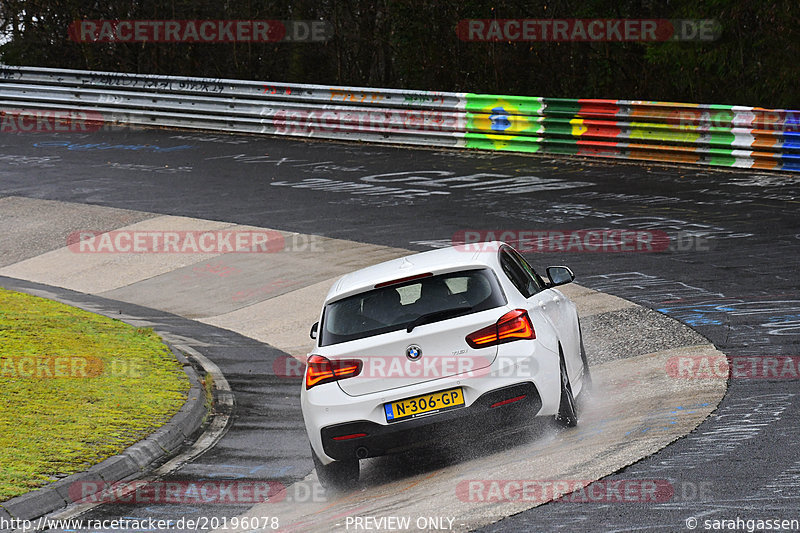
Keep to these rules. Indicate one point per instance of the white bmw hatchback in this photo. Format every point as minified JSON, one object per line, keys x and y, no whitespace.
{"x":415,"y":346}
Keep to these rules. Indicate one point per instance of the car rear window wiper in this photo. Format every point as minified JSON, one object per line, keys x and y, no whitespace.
{"x":437,"y":315}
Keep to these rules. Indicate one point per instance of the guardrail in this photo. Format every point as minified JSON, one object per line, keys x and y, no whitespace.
{"x":718,"y":135}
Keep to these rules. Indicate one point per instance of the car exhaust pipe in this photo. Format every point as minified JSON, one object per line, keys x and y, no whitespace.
{"x":362,"y":452}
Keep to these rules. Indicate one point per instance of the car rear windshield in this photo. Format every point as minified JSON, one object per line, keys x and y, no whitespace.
{"x":410,"y":304}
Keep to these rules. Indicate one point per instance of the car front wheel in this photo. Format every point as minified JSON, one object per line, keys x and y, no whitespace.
{"x":567,"y":413}
{"x":587,"y":374}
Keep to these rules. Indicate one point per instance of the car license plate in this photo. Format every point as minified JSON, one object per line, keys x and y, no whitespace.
{"x":424,"y":405}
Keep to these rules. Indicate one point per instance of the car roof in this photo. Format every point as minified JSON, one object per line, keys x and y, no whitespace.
{"x":440,"y":261}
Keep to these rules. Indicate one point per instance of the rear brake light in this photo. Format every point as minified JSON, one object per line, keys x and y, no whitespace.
{"x":512,"y":326}
{"x":403,"y":280}
{"x":320,"y":370}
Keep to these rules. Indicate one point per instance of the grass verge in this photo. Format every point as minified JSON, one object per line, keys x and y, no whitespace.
{"x":75,"y":388}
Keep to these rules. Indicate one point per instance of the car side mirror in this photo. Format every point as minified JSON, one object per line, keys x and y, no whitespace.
{"x":314,"y":330}
{"x":560,"y":275}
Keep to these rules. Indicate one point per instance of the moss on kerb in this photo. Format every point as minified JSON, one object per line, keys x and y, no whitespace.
{"x":75,"y":388}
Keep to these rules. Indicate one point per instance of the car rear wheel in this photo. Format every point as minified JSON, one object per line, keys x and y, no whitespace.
{"x":567,"y":413}
{"x":338,"y":475}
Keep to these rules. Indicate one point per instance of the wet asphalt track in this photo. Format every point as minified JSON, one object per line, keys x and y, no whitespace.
{"x":736,"y":285}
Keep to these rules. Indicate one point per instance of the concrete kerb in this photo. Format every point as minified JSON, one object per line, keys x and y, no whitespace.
{"x":131,"y":463}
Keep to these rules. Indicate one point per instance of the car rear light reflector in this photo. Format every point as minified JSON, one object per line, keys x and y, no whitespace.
{"x":352,"y":436}
{"x":512,"y":326}
{"x":506,"y":402}
{"x":320,"y":370}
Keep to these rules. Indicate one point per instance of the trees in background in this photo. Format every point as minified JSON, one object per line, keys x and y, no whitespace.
{"x":413,"y":44}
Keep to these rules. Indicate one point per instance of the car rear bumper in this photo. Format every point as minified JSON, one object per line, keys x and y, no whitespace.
{"x":488,"y":410}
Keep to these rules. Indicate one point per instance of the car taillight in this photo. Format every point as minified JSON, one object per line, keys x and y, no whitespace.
{"x":512,"y":326}
{"x":320,"y":370}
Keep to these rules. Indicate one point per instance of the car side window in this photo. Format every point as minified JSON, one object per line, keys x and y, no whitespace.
{"x":538,"y":284}
{"x":517,"y":274}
